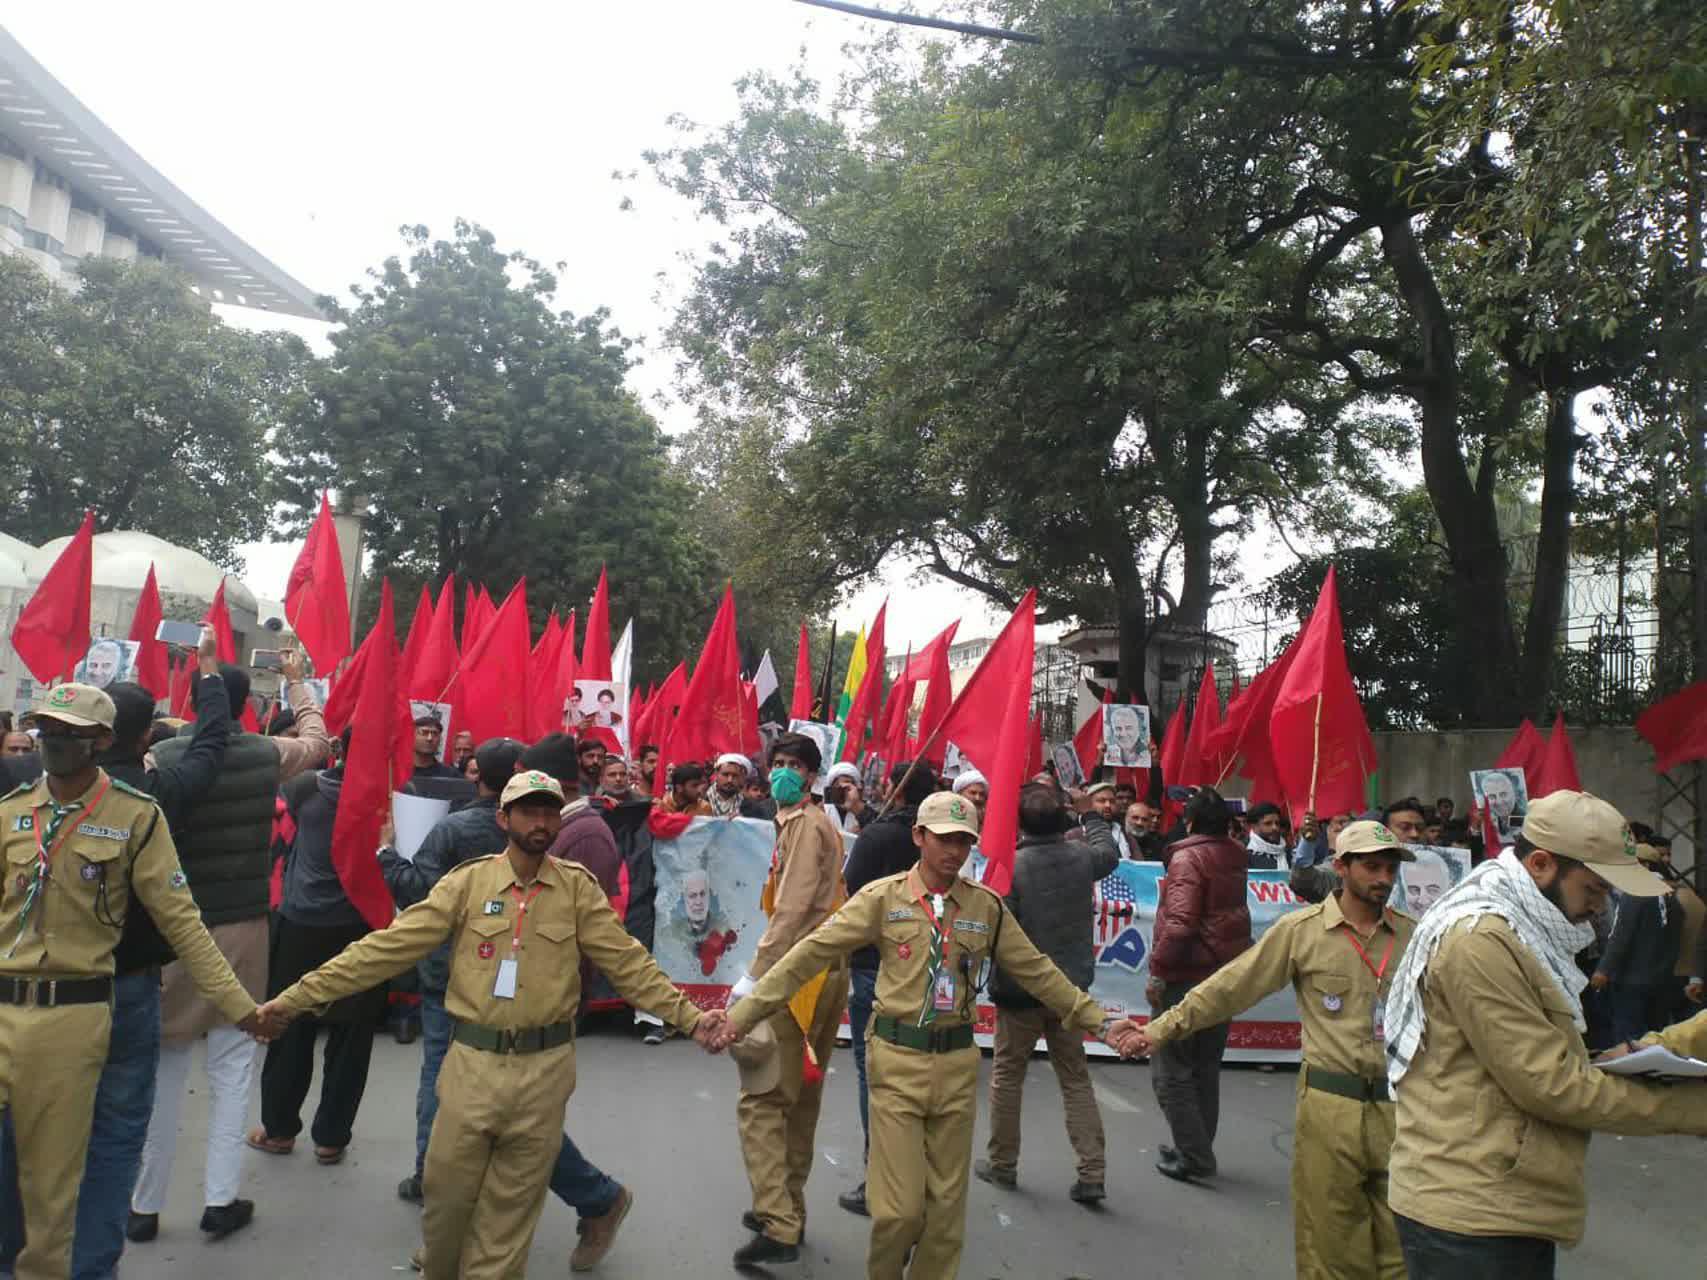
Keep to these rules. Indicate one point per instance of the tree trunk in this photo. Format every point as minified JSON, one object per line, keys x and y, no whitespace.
{"x":1552,"y":552}
{"x":1132,"y":617}
{"x":1196,"y":533}
{"x":1480,"y":607}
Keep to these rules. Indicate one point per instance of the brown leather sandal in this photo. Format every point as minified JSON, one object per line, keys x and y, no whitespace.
{"x":259,"y":1140}
{"x":330,"y":1155}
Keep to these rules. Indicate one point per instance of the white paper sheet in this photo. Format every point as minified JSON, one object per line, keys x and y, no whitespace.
{"x":414,"y":816}
{"x":1655,"y":1060}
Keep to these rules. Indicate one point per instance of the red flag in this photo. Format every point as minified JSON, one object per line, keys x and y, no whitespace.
{"x":1244,"y":731}
{"x":340,"y":707}
{"x":317,"y":598}
{"x":566,"y":675}
{"x":151,"y":663}
{"x":709,"y":720}
{"x":1557,"y":768}
{"x":749,"y":719}
{"x":870,"y":692}
{"x":1005,"y":691}
{"x":800,"y":706}
{"x":364,"y":800}
{"x":183,"y":704}
{"x":661,"y":708}
{"x":595,"y":645}
{"x":1087,"y":742}
{"x":1322,"y":749}
{"x":542,"y":716}
{"x":219,"y":618}
{"x":436,"y":662}
{"x":419,"y":626}
{"x":890,"y":740}
{"x":490,"y":688}
{"x":1034,"y":757}
{"x":1676,"y":728}
{"x":51,"y":634}
{"x":470,"y":615}
{"x":1524,"y":751}
{"x":974,"y":720}
{"x":1173,"y":747}
{"x":939,"y":694}
{"x":1200,"y":765}
{"x":248,"y":719}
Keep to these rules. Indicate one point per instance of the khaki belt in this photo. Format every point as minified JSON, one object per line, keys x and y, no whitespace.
{"x":47,"y":993}
{"x":1357,"y":1088}
{"x":924,"y":1039}
{"x":523,"y":1040}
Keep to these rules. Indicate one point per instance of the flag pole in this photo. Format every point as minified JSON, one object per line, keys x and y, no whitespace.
{"x":1316,"y":752}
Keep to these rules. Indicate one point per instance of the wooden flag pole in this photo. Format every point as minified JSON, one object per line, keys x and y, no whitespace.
{"x":1316,"y":753}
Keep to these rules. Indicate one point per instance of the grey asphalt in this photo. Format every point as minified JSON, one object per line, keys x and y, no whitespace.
{"x":661,"y":1119}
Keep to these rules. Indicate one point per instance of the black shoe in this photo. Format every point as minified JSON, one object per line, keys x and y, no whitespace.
{"x":984,"y":1171}
{"x":410,"y":1189}
{"x":221,"y":1220}
{"x":854,"y":1201}
{"x":1171,"y":1166}
{"x":1087,"y":1193}
{"x":405,"y":1031}
{"x":142,"y":1227}
{"x":756,"y":1224}
{"x":761,"y":1249}
{"x":1166,"y":1152}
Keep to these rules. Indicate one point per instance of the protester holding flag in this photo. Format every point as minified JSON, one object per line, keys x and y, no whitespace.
{"x":934,"y":931}
{"x":226,"y":851}
{"x":778,"y":1125}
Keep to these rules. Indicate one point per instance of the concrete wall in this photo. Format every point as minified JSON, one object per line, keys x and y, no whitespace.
{"x":1613,"y":762}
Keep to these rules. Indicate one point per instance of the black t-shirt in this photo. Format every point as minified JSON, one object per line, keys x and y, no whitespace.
{"x":436,"y":770}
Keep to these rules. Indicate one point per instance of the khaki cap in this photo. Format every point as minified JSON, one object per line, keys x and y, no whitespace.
{"x":1574,"y":824}
{"x":758,"y":1059}
{"x":530,"y":782}
{"x":946,"y":813}
{"x":1371,"y":837}
{"x":79,"y":704}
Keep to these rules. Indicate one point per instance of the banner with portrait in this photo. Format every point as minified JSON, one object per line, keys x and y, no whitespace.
{"x":108,"y":661}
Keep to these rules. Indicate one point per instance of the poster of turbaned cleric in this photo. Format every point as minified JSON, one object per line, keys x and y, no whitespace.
{"x":709,"y":924}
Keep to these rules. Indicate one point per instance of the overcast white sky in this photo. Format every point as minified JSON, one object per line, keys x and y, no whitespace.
{"x":315,"y":130}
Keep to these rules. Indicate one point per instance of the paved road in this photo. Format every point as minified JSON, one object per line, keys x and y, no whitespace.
{"x":662,"y":1119}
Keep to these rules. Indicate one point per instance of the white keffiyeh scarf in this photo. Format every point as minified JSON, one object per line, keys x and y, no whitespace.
{"x":1501,"y":887}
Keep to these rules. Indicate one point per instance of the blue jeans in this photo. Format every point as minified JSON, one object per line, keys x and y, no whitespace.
{"x":435,"y":1040}
{"x":1433,"y":1254}
{"x":124,"y":1100}
{"x":580,"y":1184}
{"x":862,"y":993}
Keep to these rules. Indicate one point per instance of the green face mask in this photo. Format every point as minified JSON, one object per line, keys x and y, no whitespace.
{"x":787,"y":786}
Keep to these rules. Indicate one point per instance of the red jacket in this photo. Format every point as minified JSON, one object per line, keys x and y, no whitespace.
{"x":1202,"y":919}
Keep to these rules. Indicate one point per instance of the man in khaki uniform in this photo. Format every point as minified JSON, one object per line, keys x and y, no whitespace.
{"x":1339,"y":956}
{"x":80,"y":850}
{"x":937,"y":935}
{"x":1496,"y":1094}
{"x":518,"y":923}
{"x":779,"y":1126}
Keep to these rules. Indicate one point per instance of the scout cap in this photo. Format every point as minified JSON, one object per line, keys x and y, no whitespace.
{"x":529,"y":783}
{"x":80,"y":704}
{"x":1371,"y":837}
{"x":758,"y":1059}
{"x":1574,"y":824}
{"x":946,"y":813}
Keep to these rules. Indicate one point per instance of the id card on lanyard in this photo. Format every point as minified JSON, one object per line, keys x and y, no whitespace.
{"x":1377,"y":1006}
{"x":504,"y":988}
{"x":941,"y":976}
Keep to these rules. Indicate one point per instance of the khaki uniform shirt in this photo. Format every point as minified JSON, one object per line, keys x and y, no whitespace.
{"x":887,"y":914}
{"x":475,"y":908}
{"x":1337,"y":992}
{"x":1496,"y":1108}
{"x":1687,"y":1039}
{"x":809,"y":856}
{"x":117,"y":858}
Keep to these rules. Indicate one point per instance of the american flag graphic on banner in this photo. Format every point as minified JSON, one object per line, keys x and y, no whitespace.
{"x":1114,"y":904}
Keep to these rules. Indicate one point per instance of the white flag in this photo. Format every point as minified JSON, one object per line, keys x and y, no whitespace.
{"x":764,"y":680}
{"x":621,"y":671}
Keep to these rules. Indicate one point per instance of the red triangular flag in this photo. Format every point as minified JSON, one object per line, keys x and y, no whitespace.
{"x":1557,"y":768}
{"x":709,"y":720}
{"x":152,"y":671}
{"x":870,"y":692}
{"x":1524,"y":751}
{"x":219,"y":618}
{"x":800,"y":705}
{"x":51,"y":634}
{"x":660,"y":718}
{"x":1034,"y":757}
{"x":567,"y":674}
{"x":340,"y":707}
{"x":470,"y":615}
{"x":490,"y":690}
{"x":1676,"y":728}
{"x":436,"y":663}
{"x":317,"y":597}
{"x":364,"y":800}
{"x":1322,"y":749}
{"x":1200,"y":766}
{"x":973,"y":721}
{"x":419,"y":626}
{"x":542,"y":716}
{"x":595,"y":645}
{"x":939,"y":695}
{"x":889,"y":743}
{"x":1087,"y":741}
{"x":183,"y":705}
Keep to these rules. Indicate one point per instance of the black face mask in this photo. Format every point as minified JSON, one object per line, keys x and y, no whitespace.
{"x":62,"y":756}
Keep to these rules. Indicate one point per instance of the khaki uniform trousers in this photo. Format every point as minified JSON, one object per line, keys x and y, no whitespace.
{"x":922,"y":1109}
{"x":1342,"y":1227}
{"x":494,"y":1141}
{"x":50,"y":1065}
{"x":1017,"y":1034}
{"x":779,"y":1128}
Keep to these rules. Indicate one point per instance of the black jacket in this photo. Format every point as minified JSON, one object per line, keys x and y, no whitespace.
{"x":469,"y":833}
{"x":1051,"y":899}
{"x":885,"y":848}
{"x":176,"y":787}
{"x":1642,"y":951}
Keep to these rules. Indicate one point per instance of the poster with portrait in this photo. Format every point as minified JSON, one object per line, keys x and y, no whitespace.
{"x":953,"y":763}
{"x":596,"y":703}
{"x":1125,"y":736}
{"x":107,"y":662}
{"x":829,"y":740}
{"x":1067,"y":770}
{"x":1504,"y":795}
{"x":319,"y":688}
{"x":710,"y":879}
{"x":1421,"y":883}
{"x":440,"y":711}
